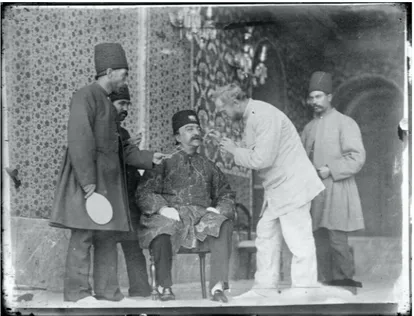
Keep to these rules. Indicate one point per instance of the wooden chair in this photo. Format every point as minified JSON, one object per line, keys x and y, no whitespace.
{"x":248,"y":246}
{"x":201,"y":250}
{"x":243,"y":223}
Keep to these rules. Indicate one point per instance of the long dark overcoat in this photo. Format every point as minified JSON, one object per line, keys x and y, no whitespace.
{"x":95,"y":155}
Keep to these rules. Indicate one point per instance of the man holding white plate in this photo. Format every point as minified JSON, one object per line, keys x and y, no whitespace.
{"x":92,"y":171}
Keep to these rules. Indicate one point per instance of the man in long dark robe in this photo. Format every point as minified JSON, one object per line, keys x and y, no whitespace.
{"x":186,"y":201}
{"x":134,"y":258}
{"x":94,"y":162}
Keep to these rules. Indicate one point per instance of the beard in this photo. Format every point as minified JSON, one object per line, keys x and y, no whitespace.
{"x":118,"y":86}
{"x":122,"y":115}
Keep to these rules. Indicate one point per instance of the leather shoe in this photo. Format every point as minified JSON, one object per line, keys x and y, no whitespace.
{"x":219,"y":296}
{"x":344,"y":282}
{"x":167,"y":294}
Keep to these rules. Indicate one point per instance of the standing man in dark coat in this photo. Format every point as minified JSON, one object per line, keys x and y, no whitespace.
{"x":134,"y":258}
{"x":94,"y":162}
{"x":187,"y":202}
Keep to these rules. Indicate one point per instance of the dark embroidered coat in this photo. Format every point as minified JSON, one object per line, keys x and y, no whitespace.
{"x":190,"y":184}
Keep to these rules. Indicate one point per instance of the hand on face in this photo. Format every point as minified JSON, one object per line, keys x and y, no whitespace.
{"x":227,"y":145}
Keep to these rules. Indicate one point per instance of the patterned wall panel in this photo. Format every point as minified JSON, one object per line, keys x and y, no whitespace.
{"x":211,"y":71}
{"x":48,"y":53}
{"x":168,"y":78}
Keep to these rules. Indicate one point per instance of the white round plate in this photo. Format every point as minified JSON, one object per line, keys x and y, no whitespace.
{"x":99,"y":209}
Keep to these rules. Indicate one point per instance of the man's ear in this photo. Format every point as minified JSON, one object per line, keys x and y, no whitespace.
{"x":177,"y":138}
{"x":330,"y":97}
{"x":109,"y":71}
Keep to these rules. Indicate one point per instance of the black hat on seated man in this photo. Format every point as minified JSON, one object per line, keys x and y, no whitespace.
{"x":182,"y":118}
{"x":321,"y":81}
{"x":109,"y":55}
{"x":123,"y":94}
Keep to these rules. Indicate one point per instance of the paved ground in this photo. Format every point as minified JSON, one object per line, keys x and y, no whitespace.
{"x":189,"y":294}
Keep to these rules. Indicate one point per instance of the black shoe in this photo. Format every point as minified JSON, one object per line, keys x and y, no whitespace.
{"x":350,"y":282}
{"x":226,"y":286}
{"x":219,"y":296}
{"x":140,"y":294}
{"x":167,"y":294}
{"x":344,"y":282}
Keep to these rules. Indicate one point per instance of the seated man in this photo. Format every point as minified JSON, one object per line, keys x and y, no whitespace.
{"x":186,"y":200}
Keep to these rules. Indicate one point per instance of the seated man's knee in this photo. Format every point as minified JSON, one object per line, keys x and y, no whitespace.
{"x":227,"y":227}
{"x":163,"y":240}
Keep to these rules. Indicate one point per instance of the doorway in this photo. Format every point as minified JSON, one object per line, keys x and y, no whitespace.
{"x":376,"y":104}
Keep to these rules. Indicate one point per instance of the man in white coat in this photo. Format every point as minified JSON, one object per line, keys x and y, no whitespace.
{"x":273,"y":148}
{"x":334,"y":144}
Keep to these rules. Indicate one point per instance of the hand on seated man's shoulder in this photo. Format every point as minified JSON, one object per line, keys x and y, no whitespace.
{"x":170,"y":212}
{"x":158,"y":158}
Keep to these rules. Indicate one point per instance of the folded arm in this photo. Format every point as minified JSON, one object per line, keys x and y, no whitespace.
{"x":353,"y":152}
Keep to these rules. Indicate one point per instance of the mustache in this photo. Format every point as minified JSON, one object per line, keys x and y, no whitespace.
{"x":196,"y":138}
{"x":124,"y":113}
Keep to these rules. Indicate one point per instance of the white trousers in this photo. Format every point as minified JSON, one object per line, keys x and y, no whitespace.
{"x":296,"y":228}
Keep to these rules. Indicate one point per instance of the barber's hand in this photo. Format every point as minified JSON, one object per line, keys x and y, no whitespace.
{"x":89,"y":189}
{"x":158,"y":157}
{"x":170,"y":212}
{"x":213,"y":209}
{"x":324,"y":172}
{"x":135,"y":140}
{"x":228,"y":145}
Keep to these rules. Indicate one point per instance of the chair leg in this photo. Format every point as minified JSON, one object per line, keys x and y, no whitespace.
{"x":248,"y":267}
{"x":154,"y":288}
{"x":202,"y":257}
{"x":281,"y":273}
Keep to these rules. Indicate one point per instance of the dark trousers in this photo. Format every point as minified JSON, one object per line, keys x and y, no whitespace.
{"x":105,"y":266}
{"x":334,"y":255}
{"x":220,"y":248}
{"x":136,"y":266}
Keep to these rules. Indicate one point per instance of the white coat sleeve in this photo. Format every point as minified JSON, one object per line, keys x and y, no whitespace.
{"x":267,"y":131}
